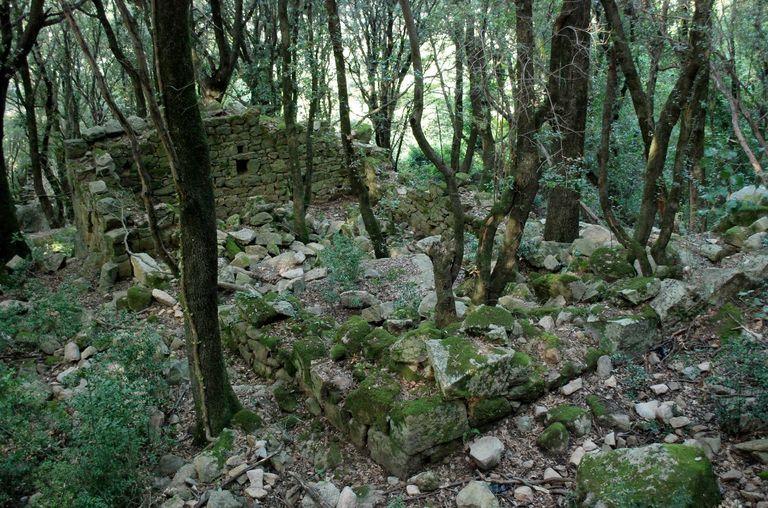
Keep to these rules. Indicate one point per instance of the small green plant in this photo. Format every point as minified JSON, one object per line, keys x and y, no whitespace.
{"x":742,"y":366}
{"x":407,"y":302}
{"x":343,"y":259}
{"x":55,"y":313}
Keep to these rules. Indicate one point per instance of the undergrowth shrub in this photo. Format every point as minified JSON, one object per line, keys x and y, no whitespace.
{"x":56,"y":313}
{"x":343,"y":259}
{"x":742,"y":366}
{"x":97,"y":448}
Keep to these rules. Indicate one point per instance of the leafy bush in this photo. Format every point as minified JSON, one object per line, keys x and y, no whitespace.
{"x":742,"y":366}
{"x":95,"y":449}
{"x":28,"y":422}
{"x":343,"y":259}
{"x":407,"y":302}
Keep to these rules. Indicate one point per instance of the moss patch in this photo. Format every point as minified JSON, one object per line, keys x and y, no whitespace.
{"x":658,"y":475}
{"x":372,"y":400}
{"x":246,"y":420}
{"x":610,"y":264}
{"x":485,"y":316}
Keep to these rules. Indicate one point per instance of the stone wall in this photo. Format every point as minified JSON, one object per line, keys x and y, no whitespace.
{"x":249,"y":157}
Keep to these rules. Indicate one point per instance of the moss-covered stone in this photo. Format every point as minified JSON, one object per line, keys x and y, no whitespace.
{"x":463,"y":370}
{"x":246,"y":420}
{"x":376,"y":343}
{"x":485,"y":317}
{"x":736,"y":236}
{"x":257,"y":310}
{"x":352,"y":333}
{"x":411,"y":347}
{"x":550,"y":285}
{"x":339,"y":352}
{"x":632,"y":334}
{"x":372,"y":400}
{"x":231,"y":247}
{"x":658,"y":475}
{"x":419,"y":424}
{"x":576,"y":419}
{"x":554,"y":439}
{"x":610,"y":264}
{"x":597,"y":407}
{"x":637,"y":289}
{"x":138,"y":298}
{"x":484,"y":411}
{"x":304,"y":351}
{"x":286,"y":399}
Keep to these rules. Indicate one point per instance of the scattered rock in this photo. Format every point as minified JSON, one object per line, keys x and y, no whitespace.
{"x":71,"y":352}
{"x":486,"y":452}
{"x":476,"y":495}
{"x":572,"y":386}
{"x":524,"y":494}
{"x":604,"y":366}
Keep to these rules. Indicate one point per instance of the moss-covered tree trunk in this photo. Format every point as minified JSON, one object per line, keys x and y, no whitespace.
{"x":215,"y":402}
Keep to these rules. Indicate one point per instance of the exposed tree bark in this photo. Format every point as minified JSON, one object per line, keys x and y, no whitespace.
{"x":690,"y":149}
{"x":18,"y":36}
{"x":215,"y":84}
{"x":695,"y":58}
{"x":517,"y":198}
{"x":448,"y":254}
{"x":570,"y":46}
{"x":33,"y":137}
{"x":215,"y":401}
{"x":733,"y":106}
{"x":71,"y":106}
{"x":290,"y":98}
{"x":358,"y":186}
{"x":314,"y":102}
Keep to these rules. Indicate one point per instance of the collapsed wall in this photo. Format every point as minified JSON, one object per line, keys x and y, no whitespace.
{"x":249,"y":157}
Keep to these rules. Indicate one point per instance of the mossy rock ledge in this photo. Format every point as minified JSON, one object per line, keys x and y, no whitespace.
{"x":657,"y":475}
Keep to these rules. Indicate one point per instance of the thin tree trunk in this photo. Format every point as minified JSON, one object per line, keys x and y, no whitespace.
{"x":11,"y":240}
{"x":314,"y":103}
{"x":359,"y":187}
{"x":144,"y":177}
{"x":35,"y":163}
{"x":215,"y":401}
{"x":448,"y":254}
{"x":289,"y":116}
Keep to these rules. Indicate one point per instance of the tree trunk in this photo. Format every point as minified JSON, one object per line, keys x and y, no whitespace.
{"x":11,"y":240}
{"x":358,"y":186}
{"x":215,"y":401}
{"x":35,"y":162}
{"x":289,"y":116}
{"x":570,"y":45}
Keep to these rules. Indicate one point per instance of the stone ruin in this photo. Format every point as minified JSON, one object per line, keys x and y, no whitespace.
{"x":249,"y":159}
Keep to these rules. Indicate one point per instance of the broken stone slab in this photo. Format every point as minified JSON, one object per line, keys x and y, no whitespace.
{"x":164,"y":298}
{"x":357,"y":299}
{"x":674,"y":298}
{"x":420,"y":424}
{"x":486,"y":452}
{"x":148,"y":271}
{"x":476,"y":495}
{"x":244,"y":236}
{"x":633,"y":334}
{"x":462,"y":369}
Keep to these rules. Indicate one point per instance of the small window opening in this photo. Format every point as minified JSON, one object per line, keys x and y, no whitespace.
{"x":241,"y":165}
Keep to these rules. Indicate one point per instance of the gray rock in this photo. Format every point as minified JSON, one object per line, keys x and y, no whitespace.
{"x":476,"y":495}
{"x":756,"y":241}
{"x":71,"y":352}
{"x":326,"y":490}
{"x":169,"y":464}
{"x":207,"y":467}
{"x":357,"y":299}
{"x":674,"y":297}
{"x":635,"y":334}
{"x":604,"y":366}
{"x":426,"y":481}
{"x":222,"y":499}
{"x":486,"y":452}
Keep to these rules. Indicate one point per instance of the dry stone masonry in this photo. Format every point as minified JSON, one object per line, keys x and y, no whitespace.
{"x":249,"y":157}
